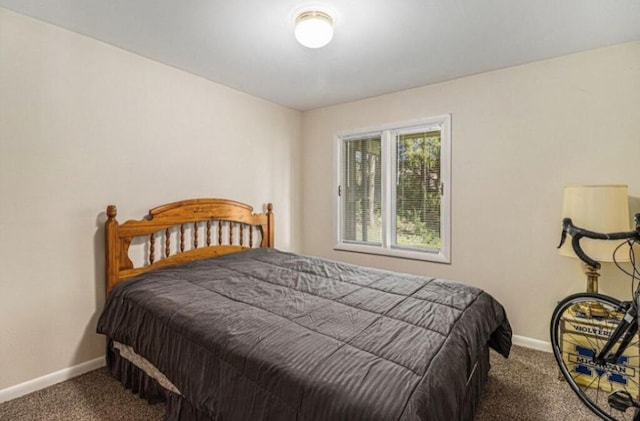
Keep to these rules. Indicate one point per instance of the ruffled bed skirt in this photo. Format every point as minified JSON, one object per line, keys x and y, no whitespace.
{"x":135,"y":379}
{"x":179,"y":409}
{"x":476,"y":384}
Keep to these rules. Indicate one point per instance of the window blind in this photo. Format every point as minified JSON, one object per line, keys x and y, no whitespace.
{"x":417,"y":190}
{"x":362,"y":190}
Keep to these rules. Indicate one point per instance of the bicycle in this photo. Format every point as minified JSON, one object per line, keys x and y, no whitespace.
{"x":595,"y":337}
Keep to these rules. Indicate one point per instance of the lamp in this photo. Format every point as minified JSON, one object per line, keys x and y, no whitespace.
{"x":600,"y":208}
{"x":313,"y":28}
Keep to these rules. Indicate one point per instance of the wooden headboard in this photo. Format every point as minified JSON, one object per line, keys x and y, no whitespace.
{"x":225,"y":226}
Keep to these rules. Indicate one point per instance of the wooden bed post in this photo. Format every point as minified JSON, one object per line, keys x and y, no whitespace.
{"x":270,"y":226}
{"x":112,"y":248}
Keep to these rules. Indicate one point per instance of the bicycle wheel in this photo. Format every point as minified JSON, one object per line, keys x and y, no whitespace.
{"x":580,"y":327}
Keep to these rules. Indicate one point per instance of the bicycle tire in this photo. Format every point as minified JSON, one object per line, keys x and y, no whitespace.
{"x":576,"y":337}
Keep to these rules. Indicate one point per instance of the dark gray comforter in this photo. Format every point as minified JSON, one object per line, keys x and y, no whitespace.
{"x":268,"y":335}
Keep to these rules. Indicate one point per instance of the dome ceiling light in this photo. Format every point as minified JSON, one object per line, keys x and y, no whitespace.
{"x":313,"y":28}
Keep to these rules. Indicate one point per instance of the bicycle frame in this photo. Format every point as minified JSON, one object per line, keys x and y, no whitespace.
{"x":629,"y":327}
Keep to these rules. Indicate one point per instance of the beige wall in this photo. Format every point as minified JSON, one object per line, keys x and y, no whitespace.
{"x":518,"y":136}
{"x":84,"y":125}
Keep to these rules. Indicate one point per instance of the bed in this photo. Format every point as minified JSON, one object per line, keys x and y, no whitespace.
{"x":220,"y":325}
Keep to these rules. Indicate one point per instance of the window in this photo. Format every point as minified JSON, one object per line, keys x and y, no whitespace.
{"x":393,"y":190}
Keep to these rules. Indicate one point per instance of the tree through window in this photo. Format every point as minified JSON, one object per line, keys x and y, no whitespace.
{"x":393,"y":190}
{"x":417,"y":190}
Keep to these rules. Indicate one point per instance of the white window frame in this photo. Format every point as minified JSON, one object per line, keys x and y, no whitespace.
{"x":387,"y":133}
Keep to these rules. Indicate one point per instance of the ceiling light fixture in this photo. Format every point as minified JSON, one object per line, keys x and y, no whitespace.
{"x":314,"y":28}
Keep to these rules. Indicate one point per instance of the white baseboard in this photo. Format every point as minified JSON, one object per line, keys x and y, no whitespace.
{"x":50,"y":379}
{"x":531,"y":343}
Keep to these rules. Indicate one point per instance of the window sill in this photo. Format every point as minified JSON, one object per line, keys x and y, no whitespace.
{"x":438,"y":257}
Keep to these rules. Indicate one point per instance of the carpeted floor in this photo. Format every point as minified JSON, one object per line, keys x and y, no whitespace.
{"x":524,"y":387}
{"x":527,"y":387}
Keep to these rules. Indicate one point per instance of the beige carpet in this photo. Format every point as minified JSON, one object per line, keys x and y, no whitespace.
{"x":524,"y":387}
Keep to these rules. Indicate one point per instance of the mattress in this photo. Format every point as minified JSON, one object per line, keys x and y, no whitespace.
{"x":266,"y":334}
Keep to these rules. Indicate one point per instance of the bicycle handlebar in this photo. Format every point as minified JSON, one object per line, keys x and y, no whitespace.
{"x":578,"y":233}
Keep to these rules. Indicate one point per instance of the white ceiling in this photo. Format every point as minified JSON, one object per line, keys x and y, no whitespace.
{"x":379,"y":46}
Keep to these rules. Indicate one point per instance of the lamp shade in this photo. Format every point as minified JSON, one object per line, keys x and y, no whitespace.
{"x":600,"y":208}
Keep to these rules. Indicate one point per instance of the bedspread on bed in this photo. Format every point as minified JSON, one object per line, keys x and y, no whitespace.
{"x":269,"y":335}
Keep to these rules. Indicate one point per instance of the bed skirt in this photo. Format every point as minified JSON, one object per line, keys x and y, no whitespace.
{"x":476,"y":383}
{"x":178,"y":408}
{"x":139,"y":382}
